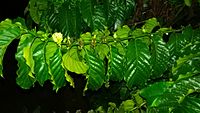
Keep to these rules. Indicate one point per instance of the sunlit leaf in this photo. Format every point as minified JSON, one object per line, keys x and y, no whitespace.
{"x":96,"y":71}
{"x":160,"y":56}
{"x":122,"y":32}
{"x":8,"y":32}
{"x":103,"y":50}
{"x":72,"y":62}
{"x":116,"y":65}
{"x":151,"y":92}
{"x":149,"y":25}
{"x":178,"y":95}
{"x":188,"y":105}
{"x":69,"y":79}
{"x":40,"y":64}
{"x":187,"y":66}
{"x":177,"y":41}
{"x":126,"y":106}
{"x":25,"y":78}
{"x":54,"y":60}
{"x":137,"y":63}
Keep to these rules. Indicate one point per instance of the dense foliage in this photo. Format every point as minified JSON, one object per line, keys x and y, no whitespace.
{"x":73,"y":17}
{"x":157,"y":68}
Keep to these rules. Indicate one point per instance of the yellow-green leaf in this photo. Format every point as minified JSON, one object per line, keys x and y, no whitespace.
{"x":69,"y":79}
{"x":72,"y":62}
{"x":25,"y":78}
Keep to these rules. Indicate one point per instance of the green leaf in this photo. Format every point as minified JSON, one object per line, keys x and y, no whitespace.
{"x":177,"y":96}
{"x":37,"y":9}
{"x":8,"y":32}
{"x":51,"y":49}
{"x":188,"y":2}
{"x":126,"y":106}
{"x":69,"y":79}
{"x":122,"y":32}
{"x":187,"y":66}
{"x":160,"y":56}
{"x":116,"y":67}
{"x":100,"y":110}
{"x":64,"y":16}
{"x":138,"y":99}
{"x":69,"y":18}
{"x":177,"y":41}
{"x":57,"y":72}
{"x":73,"y":63}
{"x":93,"y":14}
{"x":130,"y":7}
{"x":149,"y":25}
{"x":25,"y":78}
{"x":103,"y":50}
{"x":153,"y":91}
{"x":112,"y":107}
{"x":117,"y":11}
{"x":138,"y":65}
{"x":96,"y":71}
{"x":40,"y":64}
{"x":21,"y":21}
{"x":86,"y":37}
{"x":138,"y":33}
{"x":27,"y":54}
{"x":189,"y":105}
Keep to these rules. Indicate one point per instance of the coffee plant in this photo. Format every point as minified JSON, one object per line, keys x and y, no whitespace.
{"x":158,"y":68}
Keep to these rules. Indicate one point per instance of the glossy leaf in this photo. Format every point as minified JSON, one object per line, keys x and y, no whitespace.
{"x":8,"y":32}
{"x":149,"y":25}
{"x":117,"y":11}
{"x":177,"y":41}
{"x":187,"y":66}
{"x":177,"y":96}
{"x":151,"y":92}
{"x":188,"y":105}
{"x":116,"y":67}
{"x":96,"y":71}
{"x":160,"y":56}
{"x":73,"y":63}
{"x":65,"y":17}
{"x":27,"y":54}
{"x":51,"y":49}
{"x":55,"y":65}
{"x":93,"y":14}
{"x":40,"y":64}
{"x":25,"y":78}
{"x":69,"y":18}
{"x":138,"y":65}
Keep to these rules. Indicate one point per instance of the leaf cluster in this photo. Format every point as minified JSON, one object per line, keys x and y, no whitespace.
{"x":74,"y":17}
{"x":165,"y":73}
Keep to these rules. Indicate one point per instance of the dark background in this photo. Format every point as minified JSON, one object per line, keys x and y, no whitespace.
{"x":13,"y":99}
